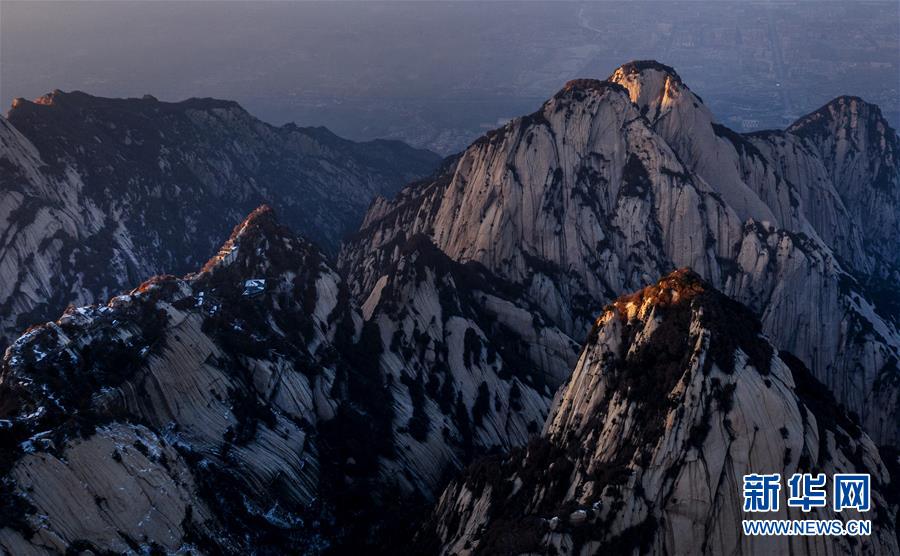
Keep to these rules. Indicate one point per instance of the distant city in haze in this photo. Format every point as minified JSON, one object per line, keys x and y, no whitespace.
{"x":437,"y":74}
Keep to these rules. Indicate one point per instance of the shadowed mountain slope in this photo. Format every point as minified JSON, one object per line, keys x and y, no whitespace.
{"x":96,"y":194}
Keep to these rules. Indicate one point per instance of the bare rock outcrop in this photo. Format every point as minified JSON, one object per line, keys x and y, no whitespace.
{"x":675,"y":397}
{"x":252,"y":406}
{"x":612,"y":184}
{"x":96,"y":194}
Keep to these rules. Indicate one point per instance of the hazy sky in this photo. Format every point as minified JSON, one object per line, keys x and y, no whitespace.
{"x":436,"y":73}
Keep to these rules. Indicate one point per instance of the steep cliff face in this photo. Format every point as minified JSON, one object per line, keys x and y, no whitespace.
{"x":44,"y":222}
{"x":612,"y":184}
{"x":675,"y":397}
{"x":183,"y":413}
{"x":768,"y":177}
{"x":268,"y":402}
{"x":471,"y":368}
{"x":253,"y":406}
{"x":99,"y":193}
{"x":860,"y":153}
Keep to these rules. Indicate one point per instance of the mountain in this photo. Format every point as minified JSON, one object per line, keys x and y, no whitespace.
{"x":273,"y":401}
{"x":860,"y":153}
{"x":252,"y":406}
{"x":471,"y":366}
{"x":675,"y":397}
{"x":163,"y":418}
{"x":613,"y":184}
{"x":96,"y":194}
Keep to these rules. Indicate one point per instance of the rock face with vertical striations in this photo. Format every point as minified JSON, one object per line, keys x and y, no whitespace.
{"x":612,"y":184}
{"x":471,"y":367}
{"x":97,"y":194}
{"x":253,"y":406}
{"x":860,"y":153}
{"x":272,"y":402}
{"x":183,"y":413}
{"x":675,"y":397}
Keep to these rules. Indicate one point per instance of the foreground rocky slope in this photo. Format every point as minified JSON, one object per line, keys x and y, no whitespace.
{"x":169,"y":417}
{"x":675,"y":397}
{"x":96,"y":194}
{"x":252,"y":407}
{"x":612,"y":184}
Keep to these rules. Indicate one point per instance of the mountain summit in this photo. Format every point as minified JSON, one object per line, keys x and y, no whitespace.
{"x":96,"y":194}
{"x":613,"y":184}
{"x":162,"y":419}
{"x":253,"y":406}
{"x":272,"y":402}
{"x":675,"y":397}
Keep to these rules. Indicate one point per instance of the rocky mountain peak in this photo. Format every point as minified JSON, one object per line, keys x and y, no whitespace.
{"x":659,"y":421}
{"x":655,"y":88}
{"x":686,"y":302}
{"x":679,"y":287}
{"x":212,"y":386}
{"x":638,"y":67}
{"x":587,"y":85}
{"x":258,"y":232}
{"x":650,"y":340}
{"x":261,"y":254}
{"x":858,"y":124}
{"x":861,"y":154}
{"x":585,"y":200}
{"x":99,"y":193}
{"x":660,"y":331}
{"x":843,"y":112}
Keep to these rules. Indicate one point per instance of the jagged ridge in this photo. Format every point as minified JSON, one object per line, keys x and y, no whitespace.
{"x":98,"y":194}
{"x":649,"y":440}
{"x":611,"y":185}
{"x":275,"y":417}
